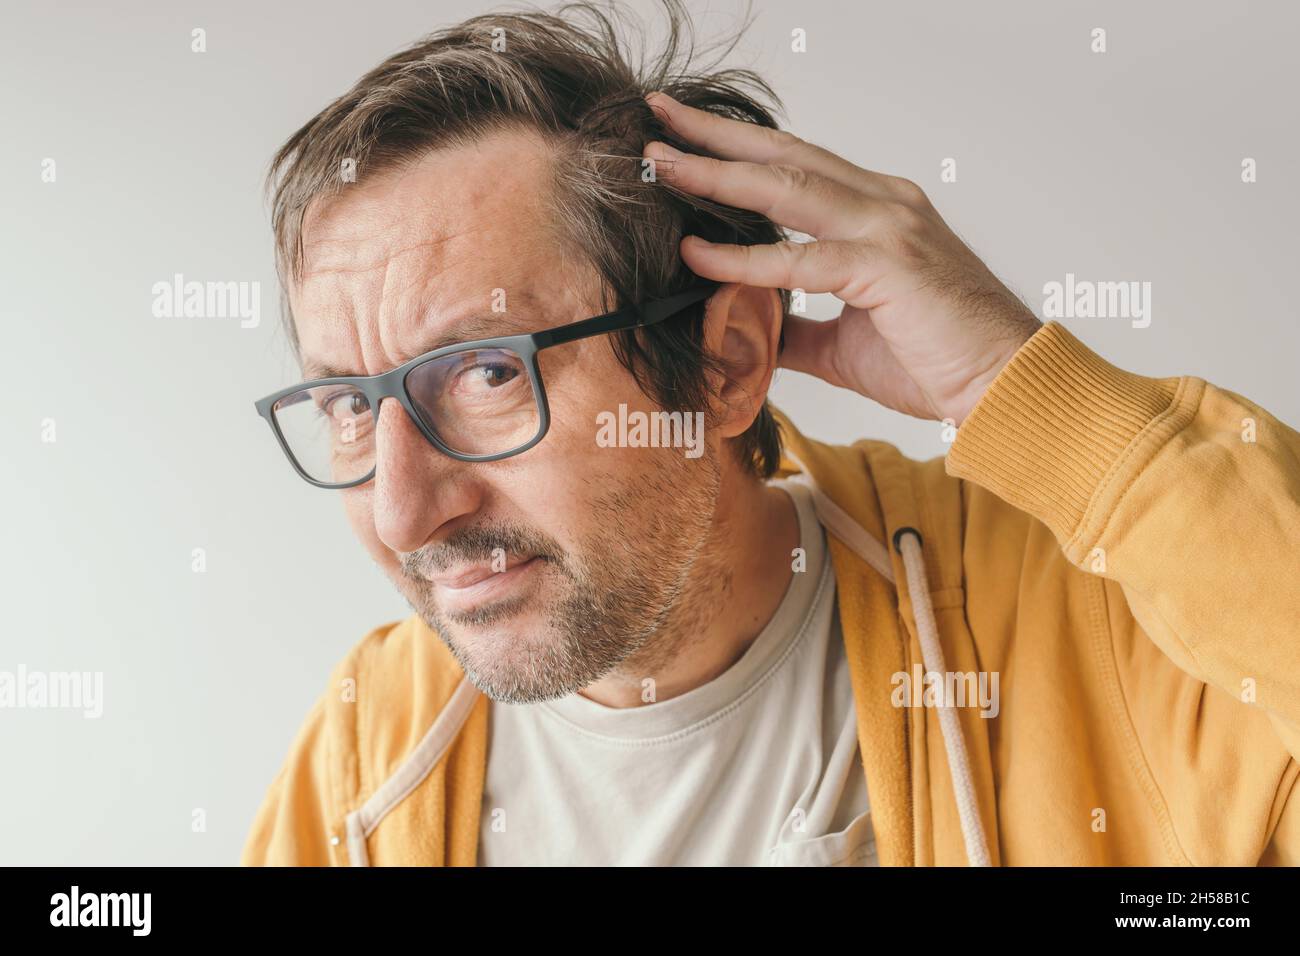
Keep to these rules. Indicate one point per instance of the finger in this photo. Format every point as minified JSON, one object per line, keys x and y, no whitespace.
{"x":817,"y":348}
{"x":809,"y":345}
{"x":788,"y":195}
{"x":729,"y":138}
{"x":828,"y":266}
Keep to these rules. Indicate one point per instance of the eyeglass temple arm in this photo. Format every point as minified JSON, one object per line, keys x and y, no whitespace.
{"x":627,"y":318}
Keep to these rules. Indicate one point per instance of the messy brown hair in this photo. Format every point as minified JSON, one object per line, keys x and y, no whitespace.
{"x":571,"y":76}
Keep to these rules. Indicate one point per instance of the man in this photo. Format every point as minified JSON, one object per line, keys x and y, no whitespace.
{"x":654,"y":623}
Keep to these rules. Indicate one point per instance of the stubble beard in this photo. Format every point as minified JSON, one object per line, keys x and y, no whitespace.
{"x":615,"y":605}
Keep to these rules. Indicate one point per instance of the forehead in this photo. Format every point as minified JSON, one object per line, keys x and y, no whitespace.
{"x":402,"y":257}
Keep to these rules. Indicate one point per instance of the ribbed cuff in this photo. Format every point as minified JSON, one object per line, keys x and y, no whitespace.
{"x":1052,"y":425}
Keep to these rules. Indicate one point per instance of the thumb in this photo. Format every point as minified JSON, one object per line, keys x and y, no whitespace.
{"x":810,"y":346}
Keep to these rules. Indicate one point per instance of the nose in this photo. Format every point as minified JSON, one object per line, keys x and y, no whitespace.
{"x":417,"y":489}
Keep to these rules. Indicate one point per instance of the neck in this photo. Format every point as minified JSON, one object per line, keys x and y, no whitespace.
{"x":734,"y":589}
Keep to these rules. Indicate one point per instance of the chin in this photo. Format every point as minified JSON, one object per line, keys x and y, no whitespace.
{"x":493,"y":643}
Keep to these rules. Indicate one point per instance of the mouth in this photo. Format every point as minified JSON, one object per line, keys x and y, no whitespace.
{"x":464,"y":588}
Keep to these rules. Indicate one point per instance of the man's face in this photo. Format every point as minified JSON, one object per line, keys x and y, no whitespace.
{"x":597,"y":542}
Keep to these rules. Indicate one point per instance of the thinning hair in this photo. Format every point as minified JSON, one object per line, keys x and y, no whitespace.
{"x":572,"y":76}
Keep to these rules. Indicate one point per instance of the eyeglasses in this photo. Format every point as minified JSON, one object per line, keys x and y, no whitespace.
{"x":475,"y":401}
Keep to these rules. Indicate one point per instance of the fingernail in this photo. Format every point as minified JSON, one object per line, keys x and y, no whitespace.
{"x":667,"y":152}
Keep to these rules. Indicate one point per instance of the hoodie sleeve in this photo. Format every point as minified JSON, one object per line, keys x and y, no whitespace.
{"x":1185,"y":497}
{"x":291,"y":826}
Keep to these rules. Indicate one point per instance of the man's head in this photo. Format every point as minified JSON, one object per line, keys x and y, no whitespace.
{"x":498,"y":163}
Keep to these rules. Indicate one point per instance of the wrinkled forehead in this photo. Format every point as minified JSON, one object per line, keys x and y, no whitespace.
{"x":400,"y":258}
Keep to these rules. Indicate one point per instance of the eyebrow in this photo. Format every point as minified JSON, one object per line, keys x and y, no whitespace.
{"x":469,"y":329}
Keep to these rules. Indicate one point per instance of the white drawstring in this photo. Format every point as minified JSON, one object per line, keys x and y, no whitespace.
{"x":908,"y":542}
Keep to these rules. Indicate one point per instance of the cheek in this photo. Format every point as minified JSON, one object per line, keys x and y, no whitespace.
{"x":584,"y":380}
{"x":577,"y":480}
{"x":554,"y":485}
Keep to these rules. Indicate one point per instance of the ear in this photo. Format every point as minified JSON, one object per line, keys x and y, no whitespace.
{"x":742,"y":329}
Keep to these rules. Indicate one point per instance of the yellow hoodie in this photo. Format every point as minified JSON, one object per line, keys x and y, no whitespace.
{"x":1123,"y":553}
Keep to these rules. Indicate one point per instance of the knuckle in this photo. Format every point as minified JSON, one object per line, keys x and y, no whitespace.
{"x":905,"y":233}
{"x":794,"y":178}
{"x":790,"y":255}
{"x":908,"y":191}
{"x":784,"y":141}
{"x":906,"y":219}
{"x":796,"y":251}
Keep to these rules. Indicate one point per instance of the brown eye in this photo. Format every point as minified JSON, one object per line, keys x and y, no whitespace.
{"x":345,"y":405}
{"x":482,"y":373}
{"x":499,"y":374}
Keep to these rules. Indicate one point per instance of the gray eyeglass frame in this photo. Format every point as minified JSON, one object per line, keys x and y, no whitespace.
{"x":392,"y":384}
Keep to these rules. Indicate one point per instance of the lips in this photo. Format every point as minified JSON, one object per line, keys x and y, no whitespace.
{"x":463,"y":576}
{"x":467,"y":589}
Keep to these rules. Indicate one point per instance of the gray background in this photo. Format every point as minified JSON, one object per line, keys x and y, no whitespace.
{"x":1119,"y":166}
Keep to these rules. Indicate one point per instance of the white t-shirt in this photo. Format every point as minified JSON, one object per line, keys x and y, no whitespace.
{"x":759,"y":766}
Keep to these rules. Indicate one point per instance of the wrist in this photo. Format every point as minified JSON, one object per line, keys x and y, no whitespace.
{"x":960,"y":409}
{"x":1057,"y":421}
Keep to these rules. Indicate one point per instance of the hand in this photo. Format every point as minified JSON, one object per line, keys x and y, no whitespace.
{"x":925,"y":325}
